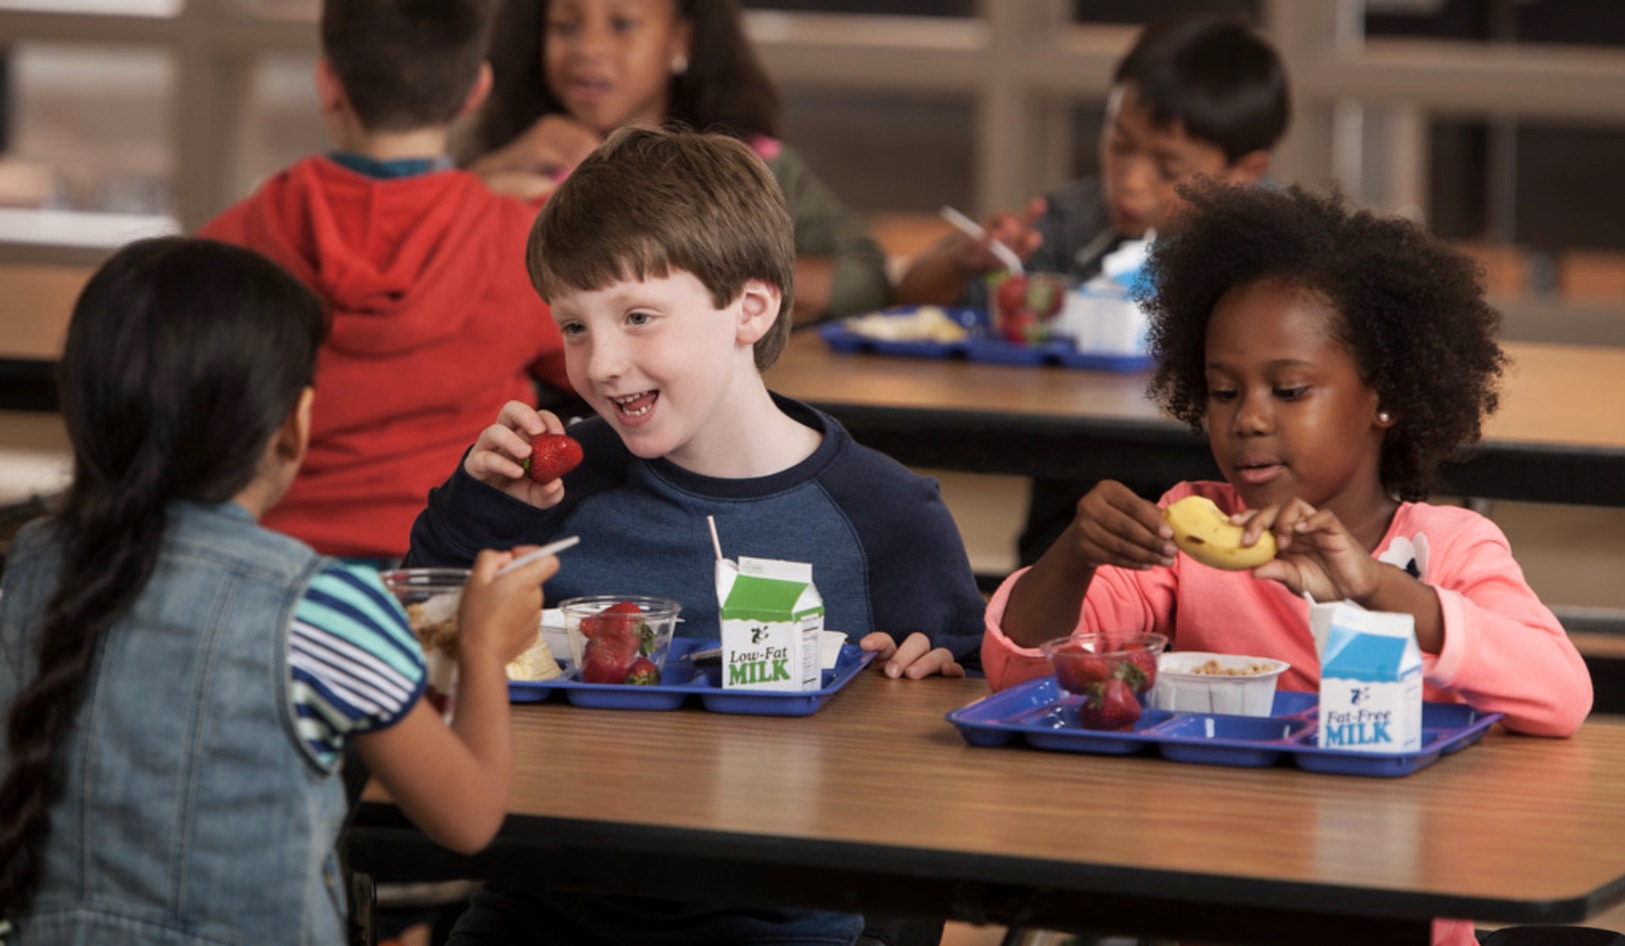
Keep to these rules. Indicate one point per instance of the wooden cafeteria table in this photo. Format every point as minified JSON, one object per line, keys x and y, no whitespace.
{"x":876,"y":803}
{"x":1559,"y":435}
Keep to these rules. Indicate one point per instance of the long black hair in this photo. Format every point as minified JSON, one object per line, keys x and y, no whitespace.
{"x":723,"y":89}
{"x":183,"y":358}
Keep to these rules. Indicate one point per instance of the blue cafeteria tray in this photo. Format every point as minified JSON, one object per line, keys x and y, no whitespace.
{"x":1039,"y":714}
{"x":981,"y":344}
{"x":692,"y":682}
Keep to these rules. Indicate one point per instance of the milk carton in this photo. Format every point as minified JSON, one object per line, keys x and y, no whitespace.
{"x":1101,"y":316}
{"x":772,"y":622}
{"x":1370,"y":679}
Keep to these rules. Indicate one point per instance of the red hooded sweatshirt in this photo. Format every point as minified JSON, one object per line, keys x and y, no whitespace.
{"x":435,"y":326}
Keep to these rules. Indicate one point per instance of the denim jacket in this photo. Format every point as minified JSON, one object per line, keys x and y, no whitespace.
{"x":187,"y":812}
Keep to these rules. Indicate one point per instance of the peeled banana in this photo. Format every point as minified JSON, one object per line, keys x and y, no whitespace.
{"x":1205,"y":533}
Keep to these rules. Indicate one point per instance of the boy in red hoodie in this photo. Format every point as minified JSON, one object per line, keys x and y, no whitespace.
{"x":435,"y":325}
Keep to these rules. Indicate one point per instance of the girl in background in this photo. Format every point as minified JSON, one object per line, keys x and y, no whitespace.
{"x":568,"y":72}
{"x":179,"y":683}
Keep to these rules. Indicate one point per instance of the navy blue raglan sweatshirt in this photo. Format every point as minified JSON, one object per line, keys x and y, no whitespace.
{"x":885,"y":551}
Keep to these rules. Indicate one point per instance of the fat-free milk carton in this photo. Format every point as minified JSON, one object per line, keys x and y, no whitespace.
{"x":772,"y":622}
{"x":1370,"y":679}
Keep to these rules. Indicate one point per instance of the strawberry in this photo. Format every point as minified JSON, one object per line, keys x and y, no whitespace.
{"x":619,"y":642}
{"x":609,"y":621}
{"x":1077,"y":671}
{"x":551,"y":456}
{"x":1143,"y":660}
{"x":643,"y":673}
{"x":1109,"y":705}
{"x":1011,"y":295}
{"x":1023,"y":306}
{"x":608,"y":658}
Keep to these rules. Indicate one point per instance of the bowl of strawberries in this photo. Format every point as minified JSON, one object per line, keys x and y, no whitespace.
{"x":619,"y":639}
{"x":1111,"y":674}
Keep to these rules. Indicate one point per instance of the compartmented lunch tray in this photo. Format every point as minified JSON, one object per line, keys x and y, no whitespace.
{"x":692,"y":682}
{"x":1039,"y":714}
{"x":981,"y":344}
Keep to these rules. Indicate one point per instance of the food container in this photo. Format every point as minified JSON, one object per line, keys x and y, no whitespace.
{"x":1025,"y":305}
{"x":1110,"y":673}
{"x":431,"y":597}
{"x":619,"y":639}
{"x":1198,"y":682}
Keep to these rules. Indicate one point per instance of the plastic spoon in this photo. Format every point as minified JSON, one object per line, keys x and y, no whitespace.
{"x":551,"y":548}
{"x":971,"y":228}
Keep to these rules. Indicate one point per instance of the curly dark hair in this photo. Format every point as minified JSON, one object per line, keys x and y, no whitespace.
{"x":1412,"y":309}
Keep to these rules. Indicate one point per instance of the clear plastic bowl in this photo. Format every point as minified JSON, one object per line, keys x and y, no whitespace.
{"x":658,"y":617}
{"x":1084,"y":665}
{"x":431,"y":597}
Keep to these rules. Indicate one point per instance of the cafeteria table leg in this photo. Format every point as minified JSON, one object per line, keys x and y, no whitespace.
{"x":363,"y":903}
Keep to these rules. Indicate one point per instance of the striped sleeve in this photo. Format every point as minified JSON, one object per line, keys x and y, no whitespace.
{"x":353,"y":662}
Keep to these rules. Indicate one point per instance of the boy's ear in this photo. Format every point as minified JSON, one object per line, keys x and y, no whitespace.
{"x":1248,"y":168}
{"x":477,"y":94}
{"x":759,"y":304}
{"x":329,"y":90}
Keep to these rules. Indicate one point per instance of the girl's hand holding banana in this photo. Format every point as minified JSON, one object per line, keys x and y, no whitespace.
{"x":1113,"y":526}
{"x":1315,"y":553}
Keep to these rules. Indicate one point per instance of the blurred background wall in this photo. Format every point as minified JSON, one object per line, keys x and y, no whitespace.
{"x":1500,"y":124}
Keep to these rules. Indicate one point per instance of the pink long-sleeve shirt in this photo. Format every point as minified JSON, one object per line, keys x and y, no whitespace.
{"x":1504,"y":651}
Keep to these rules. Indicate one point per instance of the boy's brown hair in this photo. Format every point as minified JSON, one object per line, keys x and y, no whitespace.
{"x":649,"y":202}
{"x":406,"y":64}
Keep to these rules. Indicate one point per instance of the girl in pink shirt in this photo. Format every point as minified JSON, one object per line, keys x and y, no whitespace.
{"x":1335,"y":359}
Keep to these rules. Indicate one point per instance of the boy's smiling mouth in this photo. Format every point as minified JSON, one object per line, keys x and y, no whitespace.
{"x":635,"y":405}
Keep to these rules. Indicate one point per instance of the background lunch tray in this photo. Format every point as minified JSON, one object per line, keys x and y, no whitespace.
{"x":1039,"y":714}
{"x":697,"y":682}
{"x":980,"y":345}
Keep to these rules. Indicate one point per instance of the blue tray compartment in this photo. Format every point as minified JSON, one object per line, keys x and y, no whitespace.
{"x":1235,"y":740}
{"x":982,"y":344}
{"x":1040,"y":715}
{"x":684,"y":682}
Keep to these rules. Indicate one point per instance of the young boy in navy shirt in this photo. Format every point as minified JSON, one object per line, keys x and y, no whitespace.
{"x":668,"y":261}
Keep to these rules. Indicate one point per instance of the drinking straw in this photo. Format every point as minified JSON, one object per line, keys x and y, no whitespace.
{"x":716,"y":543}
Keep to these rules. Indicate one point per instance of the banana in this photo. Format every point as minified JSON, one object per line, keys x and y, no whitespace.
{"x":1205,"y":533}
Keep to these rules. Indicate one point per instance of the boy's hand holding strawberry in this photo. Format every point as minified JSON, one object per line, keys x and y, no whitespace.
{"x":525,"y":454}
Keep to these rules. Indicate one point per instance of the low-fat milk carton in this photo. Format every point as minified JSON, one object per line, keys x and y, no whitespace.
{"x":1370,"y":679}
{"x":772,"y":621}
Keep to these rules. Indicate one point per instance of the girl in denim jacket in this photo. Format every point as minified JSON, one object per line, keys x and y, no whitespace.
{"x":178,"y":683}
